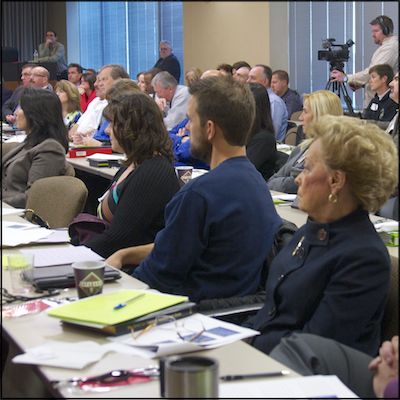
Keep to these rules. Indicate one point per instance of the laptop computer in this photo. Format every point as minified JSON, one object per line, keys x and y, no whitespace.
{"x":61,"y":276}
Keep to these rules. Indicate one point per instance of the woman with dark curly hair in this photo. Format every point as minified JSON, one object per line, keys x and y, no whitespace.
{"x":42,"y":154}
{"x":134,"y":204}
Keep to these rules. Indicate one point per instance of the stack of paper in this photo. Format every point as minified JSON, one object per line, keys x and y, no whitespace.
{"x":193,"y":333}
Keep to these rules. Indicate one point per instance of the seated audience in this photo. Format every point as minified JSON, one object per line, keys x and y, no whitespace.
{"x":367,"y":377}
{"x":87,"y":90}
{"x":89,"y":130}
{"x":316,"y":105}
{"x":261,"y":144}
{"x":332,"y":279}
{"x":381,"y":107}
{"x":262,"y":74}
{"x":135,"y":202}
{"x":192,"y":75}
{"x":11,"y":104}
{"x":168,"y":61}
{"x":172,"y":98}
{"x":219,"y":227}
{"x":280,"y":86}
{"x":42,"y":153}
{"x":40,"y":78}
{"x":226,"y":69}
{"x":75,"y":73}
{"x":68,"y":94}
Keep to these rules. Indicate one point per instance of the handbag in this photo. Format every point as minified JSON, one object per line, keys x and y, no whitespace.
{"x":84,"y":227}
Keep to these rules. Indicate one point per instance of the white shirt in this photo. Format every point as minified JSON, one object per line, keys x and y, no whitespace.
{"x":178,"y":107}
{"x":90,"y":119}
{"x":386,"y":53}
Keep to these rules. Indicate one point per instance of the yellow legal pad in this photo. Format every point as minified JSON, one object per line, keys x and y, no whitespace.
{"x":100,"y":309}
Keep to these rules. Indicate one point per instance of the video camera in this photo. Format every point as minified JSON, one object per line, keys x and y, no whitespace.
{"x":336,"y":58}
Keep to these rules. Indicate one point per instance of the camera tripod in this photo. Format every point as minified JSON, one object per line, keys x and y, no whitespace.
{"x":339,"y":88}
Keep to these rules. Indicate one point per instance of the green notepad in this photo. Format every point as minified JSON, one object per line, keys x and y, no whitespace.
{"x":100,"y":309}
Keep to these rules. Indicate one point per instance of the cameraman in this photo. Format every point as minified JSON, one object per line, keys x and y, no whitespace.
{"x":386,"y":53}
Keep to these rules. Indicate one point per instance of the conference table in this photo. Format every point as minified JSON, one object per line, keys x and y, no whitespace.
{"x":32,"y":330}
{"x":285,"y":211}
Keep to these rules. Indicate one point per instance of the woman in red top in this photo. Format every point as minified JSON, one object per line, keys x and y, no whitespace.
{"x":87,"y":90}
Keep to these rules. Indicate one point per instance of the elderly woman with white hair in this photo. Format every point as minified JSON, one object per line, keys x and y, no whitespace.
{"x":332,"y":279}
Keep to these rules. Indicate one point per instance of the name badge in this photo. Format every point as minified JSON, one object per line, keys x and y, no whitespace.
{"x":374,"y":106}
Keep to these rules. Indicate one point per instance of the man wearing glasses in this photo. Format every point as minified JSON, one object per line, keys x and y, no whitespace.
{"x":10,"y":105}
{"x":40,"y":78}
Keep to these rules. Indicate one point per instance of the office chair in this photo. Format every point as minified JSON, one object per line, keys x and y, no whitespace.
{"x":57,"y":199}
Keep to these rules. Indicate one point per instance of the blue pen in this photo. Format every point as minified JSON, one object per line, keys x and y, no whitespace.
{"x":121,"y":305}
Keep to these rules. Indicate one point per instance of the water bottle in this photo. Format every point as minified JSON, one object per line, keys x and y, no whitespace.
{"x":35,"y":56}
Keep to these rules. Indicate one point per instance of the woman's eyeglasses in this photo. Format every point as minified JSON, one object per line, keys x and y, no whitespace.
{"x":184,"y":332}
{"x":32,"y":217}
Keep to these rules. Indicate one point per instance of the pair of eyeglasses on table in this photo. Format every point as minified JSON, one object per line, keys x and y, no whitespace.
{"x":7,"y":297}
{"x":185,"y":333}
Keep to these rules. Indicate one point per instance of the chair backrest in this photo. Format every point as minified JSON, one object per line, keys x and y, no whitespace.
{"x":281,"y":159}
{"x":57,"y":199}
{"x":290,"y":137}
{"x":282,"y":237}
{"x":390,"y":322}
{"x":70,"y":170}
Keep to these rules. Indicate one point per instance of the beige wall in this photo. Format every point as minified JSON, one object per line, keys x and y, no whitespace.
{"x":216,"y":32}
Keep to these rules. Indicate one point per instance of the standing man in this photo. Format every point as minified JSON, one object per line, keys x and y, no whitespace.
{"x":262,"y":74}
{"x":75,"y":74}
{"x":10,"y":105}
{"x":219,"y":228}
{"x":54,"y":51}
{"x":168,"y":61}
{"x":172,"y":98}
{"x":386,"y":53}
{"x":280,"y":86}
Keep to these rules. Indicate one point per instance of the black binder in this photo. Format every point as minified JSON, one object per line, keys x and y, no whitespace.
{"x":61,"y":276}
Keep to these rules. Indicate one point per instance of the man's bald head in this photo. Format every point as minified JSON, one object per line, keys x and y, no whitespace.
{"x":39,"y":77}
{"x":210,"y":72}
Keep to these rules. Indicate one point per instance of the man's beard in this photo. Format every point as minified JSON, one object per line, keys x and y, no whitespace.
{"x":201,"y":150}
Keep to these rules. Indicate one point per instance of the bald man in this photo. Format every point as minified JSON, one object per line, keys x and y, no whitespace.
{"x":210,"y":72}
{"x":40,"y":78}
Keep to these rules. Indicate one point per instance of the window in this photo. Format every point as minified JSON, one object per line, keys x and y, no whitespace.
{"x":311,"y":22}
{"x":126,"y":33}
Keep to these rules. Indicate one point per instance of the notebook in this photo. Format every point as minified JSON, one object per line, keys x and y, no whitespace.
{"x":61,"y":276}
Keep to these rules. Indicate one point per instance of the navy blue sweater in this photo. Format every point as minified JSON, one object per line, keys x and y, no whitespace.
{"x":335,"y":285}
{"x":219,"y":229}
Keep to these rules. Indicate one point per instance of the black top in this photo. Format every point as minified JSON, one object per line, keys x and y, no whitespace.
{"x":170,"y":64}
{"x":261,"y":151}
{"x":139,"y":214}
{"x":381,"y":110}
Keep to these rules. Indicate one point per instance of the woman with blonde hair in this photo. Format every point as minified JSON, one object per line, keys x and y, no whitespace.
{"x":315,"y":105}
{"x":192,"y":75}
{"x":70,"y":99}
{"x":332,"y":279}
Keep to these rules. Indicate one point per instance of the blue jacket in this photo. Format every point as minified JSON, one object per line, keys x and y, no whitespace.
{"x":335,"y":285}
{"x":219,"y":229}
